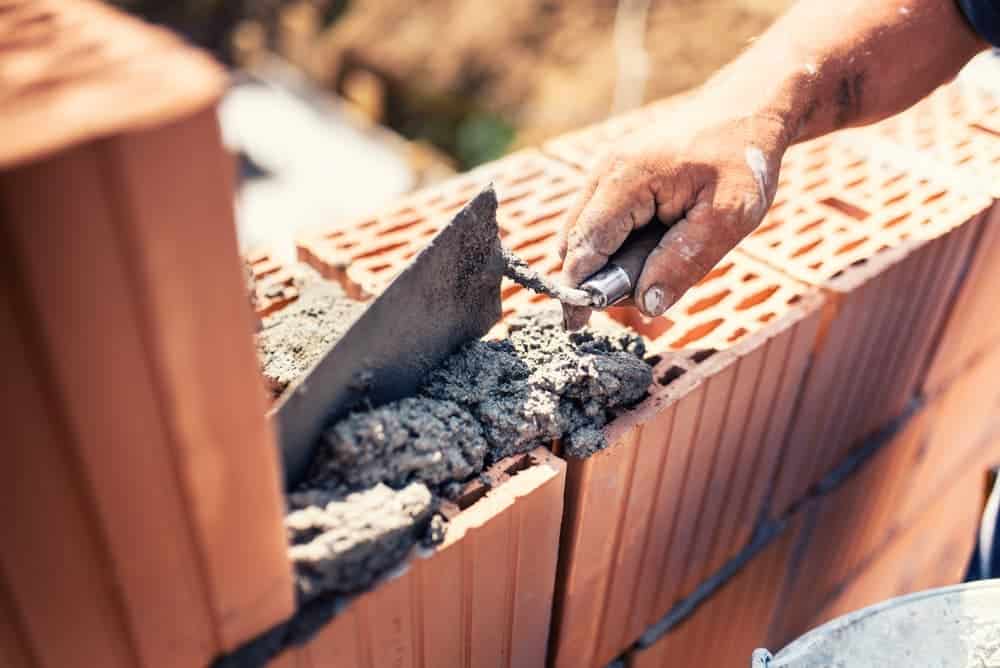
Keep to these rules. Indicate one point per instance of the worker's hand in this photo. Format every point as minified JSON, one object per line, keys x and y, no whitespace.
{"x":715,"y":177}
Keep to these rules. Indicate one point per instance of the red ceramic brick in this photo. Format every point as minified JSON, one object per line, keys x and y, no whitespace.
{"x":534,"y":191}
{"x":933,"y":551}
{"x":129,"y":287}
{"x":583,"y":148}
{"x":972,"y":327}
{"x":482,"y":598}
{"x":726,"y":629}
{"x":681,"y":486}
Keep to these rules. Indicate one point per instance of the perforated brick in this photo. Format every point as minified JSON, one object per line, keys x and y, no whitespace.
{"x":889,"y":243}
{"x":533,"y":191}
{"x":583,"y":148}
{"x":482,"y":598}
{"x":680,"y":488}
{"x":273,"y":283}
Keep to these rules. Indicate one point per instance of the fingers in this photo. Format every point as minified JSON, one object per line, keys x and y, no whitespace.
{"x":621,"y":201}
{"x":685,"y":254}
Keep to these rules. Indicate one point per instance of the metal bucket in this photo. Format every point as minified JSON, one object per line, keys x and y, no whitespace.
{"x":952,"y":627}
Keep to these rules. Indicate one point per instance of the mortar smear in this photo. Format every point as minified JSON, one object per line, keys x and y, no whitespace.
{"x":292,"y":340}
{"x":341,"y":544}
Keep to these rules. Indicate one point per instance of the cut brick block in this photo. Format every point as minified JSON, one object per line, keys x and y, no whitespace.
{"x":680,"y":488}
{"x":534,"y":191}
{"x":482,"y":598}
{"x":890,"y":246}
{"x":142,"y":449}
{"x":726,"y":629}
{"x":934,"y":551}
{"x":273,"y":283}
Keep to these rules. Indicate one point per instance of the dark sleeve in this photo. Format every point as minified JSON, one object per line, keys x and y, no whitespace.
{"x":984,"y":15}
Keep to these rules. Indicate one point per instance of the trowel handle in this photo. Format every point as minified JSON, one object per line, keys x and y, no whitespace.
{"x":616,"y":281}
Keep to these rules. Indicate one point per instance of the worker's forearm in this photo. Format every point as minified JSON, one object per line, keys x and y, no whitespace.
{"x":828,"y":65}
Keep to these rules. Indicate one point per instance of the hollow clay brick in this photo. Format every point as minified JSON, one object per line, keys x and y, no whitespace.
{"x":481,"y":598}
{"x":734,"y":621}
{"x":584,"y":148}
{"x":534,"y":192}
{"x":649,"y":516}
{"x":273,"y":283}
{"x":130,"y":291}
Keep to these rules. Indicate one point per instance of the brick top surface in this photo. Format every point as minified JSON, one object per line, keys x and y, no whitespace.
{"x":74,"y":70}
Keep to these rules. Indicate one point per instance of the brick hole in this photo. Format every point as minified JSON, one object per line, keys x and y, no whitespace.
{"x":844,"y":207}
{"x":379,"y":268}
{"x":547,"y":234}
{"x":335,"y":234}
{"x":897,"y":220}
{"x":737,"y":335}
{"x":815,"y":266}
{"x":524,"y":177}
{"x":849,"y":246}
{"x":855,"y":183}
{"x":557,"y":195}
{"x":696,"y":333}
{"x":935,"y":197}
{"x":774,"y":244}
{"x":750,"y":276}
{"x":516,"y":197}
{"x":403,"y":225}
{"x":984,"y":129}
{"x":802,"y":250}
{"x":543,"y":219}
{"x":345,"y":245}
{"x":893,"y":179}
{"x":719,"y":271}
{"x":896,"y":199}
{"x":671,"y":374}
{"x":810,"y":226}
{"x":700,"y":356}
{"x":813,"y":166}
{"x":764,"y":229}
{"x":379,"y":250}
{"x":793,"y":300}
{"x":364,"y":224}
{"x":758,"y":297}
{"x":435,"y":200}
{"x":815,"y":184}
{"x":430,"y":232}
{"x":966,"y":159}
{"x":767,"y":317}
{"x":708,"y":302}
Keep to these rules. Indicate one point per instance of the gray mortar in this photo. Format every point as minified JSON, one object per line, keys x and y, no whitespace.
{"x":417,"y":438}
{"x":340,"y":544}
{"x":294,"y":338}
{"x":539,"y":385}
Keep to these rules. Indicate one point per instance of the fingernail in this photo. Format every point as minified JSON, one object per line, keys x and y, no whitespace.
{"x":653,"y":302}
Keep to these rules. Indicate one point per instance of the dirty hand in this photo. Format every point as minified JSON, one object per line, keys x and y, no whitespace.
{"x":713,"y":177}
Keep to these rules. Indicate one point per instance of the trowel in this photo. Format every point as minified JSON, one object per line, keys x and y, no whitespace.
{"x":448,"y":295}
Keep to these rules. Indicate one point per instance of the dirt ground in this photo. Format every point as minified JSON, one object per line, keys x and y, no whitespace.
{"x":545,"y":66}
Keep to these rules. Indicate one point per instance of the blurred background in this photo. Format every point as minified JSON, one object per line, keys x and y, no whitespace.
{"x":340,"y":106}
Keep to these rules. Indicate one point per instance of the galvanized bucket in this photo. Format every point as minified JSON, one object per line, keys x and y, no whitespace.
{"x":951,"y":627}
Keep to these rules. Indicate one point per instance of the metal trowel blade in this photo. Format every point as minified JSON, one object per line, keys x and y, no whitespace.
{"x":448,"y":295}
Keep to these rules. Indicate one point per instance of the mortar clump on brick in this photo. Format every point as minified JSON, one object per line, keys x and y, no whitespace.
{"x":292,"y":340}
{"x":339,"y":544}
{"x":427,"y":440}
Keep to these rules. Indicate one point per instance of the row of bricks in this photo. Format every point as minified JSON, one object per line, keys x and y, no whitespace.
{"x":903,"y":522}
{"x":876,"y":254}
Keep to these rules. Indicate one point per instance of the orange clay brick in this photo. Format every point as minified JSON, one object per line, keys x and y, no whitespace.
{"x":726,"y":629}
{"x":584,"y":148}
{"x":482,"y":598}
{"x":135,"y":404}
{"x":889,"y":245}
{"x":534,"y":191}
{"x":273,"y":283}
{"x":680,"y":488}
